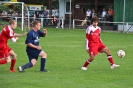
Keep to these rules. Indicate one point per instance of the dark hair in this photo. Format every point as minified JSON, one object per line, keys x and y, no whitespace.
{"x":94,"y":19}
{"x":35,"y":22}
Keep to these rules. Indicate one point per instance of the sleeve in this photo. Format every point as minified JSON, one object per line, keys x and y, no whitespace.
{"x":87,"y":39}
{"x":29,"y":38}
{"x":99,"y":35}
{"x":9,"y":32}
{"x":41,"y":34}
{"x":13,"y":39}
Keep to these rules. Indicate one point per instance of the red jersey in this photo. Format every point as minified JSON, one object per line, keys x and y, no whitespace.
{"x":5,"y":34}
{"x":92,"y":35}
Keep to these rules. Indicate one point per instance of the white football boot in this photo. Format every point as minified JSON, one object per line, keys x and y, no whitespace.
{"x":114,"y":66}
{"x":84,"y":68}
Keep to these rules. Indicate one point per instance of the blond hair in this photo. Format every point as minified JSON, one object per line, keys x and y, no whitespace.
{"x":12,"y":22}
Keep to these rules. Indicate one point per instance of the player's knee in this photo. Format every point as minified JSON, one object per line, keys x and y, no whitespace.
{"x":44,"y":55}
{"x":91,"y":58}
{"x":15,"y":56}
{"x":33,"y":61}
{"x":34,"y":64}
{"x":8,"y":60}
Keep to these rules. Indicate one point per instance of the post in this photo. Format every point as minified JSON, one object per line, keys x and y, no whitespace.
{"x":73,"y":23}
{"x":22,"y":24}
{"x":70,"y":12}
{"x":62,"y":23}
{"x":124,"y":14}
{"x":41,"y":22}
{"x":127,"y":27}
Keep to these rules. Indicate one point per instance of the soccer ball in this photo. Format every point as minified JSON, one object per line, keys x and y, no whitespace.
{"x":121,"y":53}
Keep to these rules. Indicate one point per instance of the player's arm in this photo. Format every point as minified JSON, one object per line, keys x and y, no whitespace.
{"x":33,"y":46}
{"x":87,"y":39}
{"x":18,"y":35}
{"x":14,"y":39}
{"x":87,"y":42}
{"x":43,"y":33}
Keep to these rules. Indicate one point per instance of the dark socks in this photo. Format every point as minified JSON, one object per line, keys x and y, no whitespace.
{"x":42,"y":65}
{"x":28,"y":65}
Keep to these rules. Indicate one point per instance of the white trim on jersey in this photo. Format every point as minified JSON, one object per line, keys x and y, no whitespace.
{"x":11,"y":31}
{"x":87,"y":42}
{"x":13,"y":39}
{"x":92,"y":28}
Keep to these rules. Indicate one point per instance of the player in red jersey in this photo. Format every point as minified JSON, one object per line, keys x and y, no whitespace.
{"x":5,"y":50}
{"x":95,"y":45}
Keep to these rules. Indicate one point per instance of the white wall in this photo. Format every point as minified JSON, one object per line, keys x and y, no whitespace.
{"x":62,"y":8}
{"x":126,"y":28}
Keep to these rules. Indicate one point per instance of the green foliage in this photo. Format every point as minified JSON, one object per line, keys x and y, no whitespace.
{"x":2,"y":7}
{"x":66,"y":54}
{"x":17,"y":7}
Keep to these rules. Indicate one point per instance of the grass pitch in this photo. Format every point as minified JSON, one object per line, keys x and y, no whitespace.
{"x":66,"y":54}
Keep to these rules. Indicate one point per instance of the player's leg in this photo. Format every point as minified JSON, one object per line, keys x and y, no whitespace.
{"x":13,"y":61}
{"x":110,"y":58}
{"x":87,"y":62}
{"x":33,"y":56}
{"x":3,"y":56}
{"x":92,"y":52}
{"x":5,"y":60}
{"x":43,"y":56}
{"x":28,"y":65}
{"x":32,"y":62}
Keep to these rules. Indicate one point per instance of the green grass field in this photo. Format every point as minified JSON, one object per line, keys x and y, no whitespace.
{"x":66,"y":55}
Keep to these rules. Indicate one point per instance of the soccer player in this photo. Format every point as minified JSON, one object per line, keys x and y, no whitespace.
{"x":33,"y":49}
{"x":95,"y":45}
{"x":5,"y":50}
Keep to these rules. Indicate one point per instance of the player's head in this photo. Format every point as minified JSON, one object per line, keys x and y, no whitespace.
{"x":94,"y":21}
{"x":13,"y":24}
{"x":36,"y":24}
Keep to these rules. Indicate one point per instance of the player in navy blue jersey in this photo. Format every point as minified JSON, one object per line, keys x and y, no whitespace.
{"x":33,"y":49}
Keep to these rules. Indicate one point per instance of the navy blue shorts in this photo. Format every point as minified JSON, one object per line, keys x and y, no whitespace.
{"x":33,"y":54}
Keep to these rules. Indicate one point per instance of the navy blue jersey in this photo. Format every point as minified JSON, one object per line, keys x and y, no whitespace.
{"x":33,"y":38}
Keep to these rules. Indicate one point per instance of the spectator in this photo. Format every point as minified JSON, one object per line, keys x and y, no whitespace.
{"x":4,"y":13}
{"x":45,"y":16}
{"x":37,"y":14}
{"x":54,"y":21}
{"x":103,"y":16}
{"x":93,"y":14}
{"x":61,"y":22}
{"x":110,"y":15}
{"x":88,"y":15}
{"x":56,"y":13}
{"x":10,"y":12}
{"x":14,"y":14}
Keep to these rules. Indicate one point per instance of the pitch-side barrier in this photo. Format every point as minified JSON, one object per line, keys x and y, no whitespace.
{"x":123,"y":26}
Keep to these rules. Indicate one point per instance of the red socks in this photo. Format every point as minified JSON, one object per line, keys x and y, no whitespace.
{"x":110,"y":60}
{"x":86,"y":63}
{"x":3,"y":62}
{"x":13,"y":61}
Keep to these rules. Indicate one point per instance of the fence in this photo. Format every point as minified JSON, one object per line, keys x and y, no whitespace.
{"x":28,"y":21}
{"x":124,"y":27}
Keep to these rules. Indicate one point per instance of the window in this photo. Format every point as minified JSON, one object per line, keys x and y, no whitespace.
{"x":68,"y":6}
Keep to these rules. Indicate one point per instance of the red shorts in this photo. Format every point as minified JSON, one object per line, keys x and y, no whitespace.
{"x":94,"y":48}
{"x":4,"y":51}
